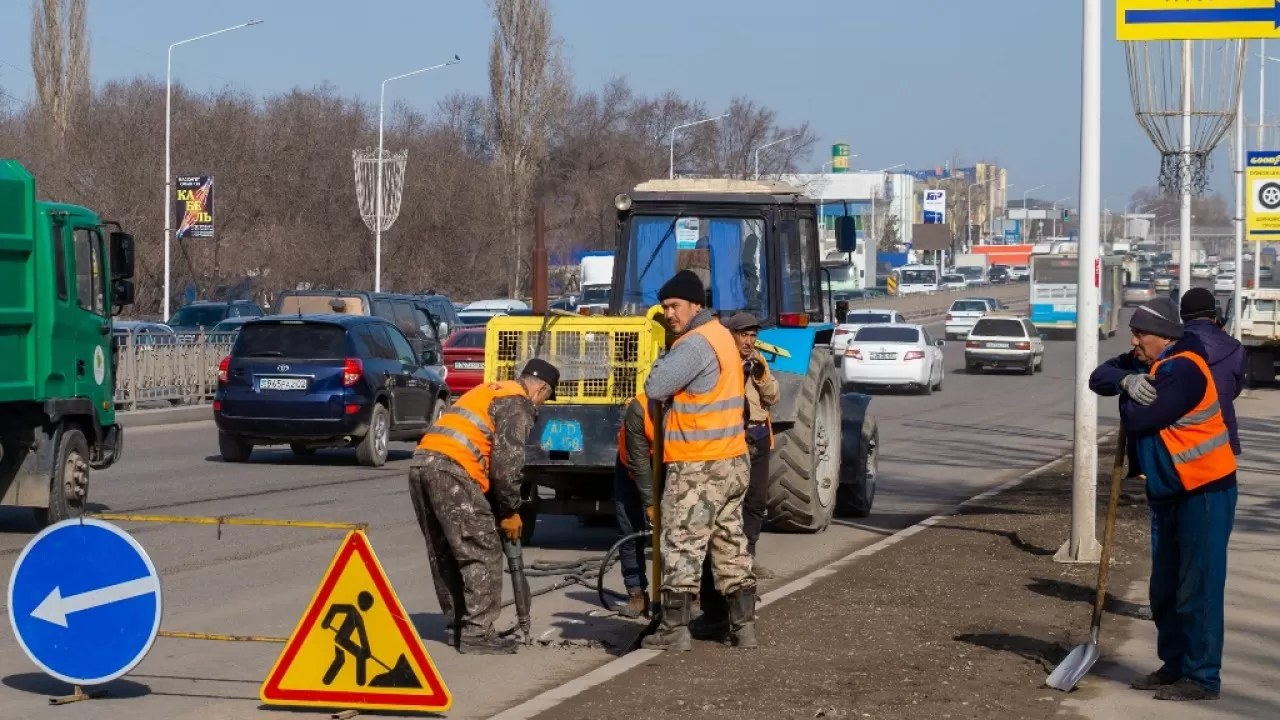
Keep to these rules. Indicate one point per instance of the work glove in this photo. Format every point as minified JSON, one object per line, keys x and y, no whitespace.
{"x":511,"y":527}
{"x":1139,"y":388}
{"x":757,"y":369}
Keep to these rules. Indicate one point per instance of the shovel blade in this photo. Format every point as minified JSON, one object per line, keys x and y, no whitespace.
{"x":1073,"y":669}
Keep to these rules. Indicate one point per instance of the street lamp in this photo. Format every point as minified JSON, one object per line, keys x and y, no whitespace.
{"x":168,"y":148}
{"x":1025,"y":215}
{"x":1055,"y":214}
{"x":762,"y":147}
{"x":671,"y":167}
{"x":968,"y":226}
{"x":377,"y":231}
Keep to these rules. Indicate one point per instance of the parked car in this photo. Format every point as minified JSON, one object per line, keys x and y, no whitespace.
{"x":1163,"y":282}
{"x":494,"y":307}
{"x":313,"y":381}
{"x":1147,"y":274}
{"x":1264,"y":272}
{"x":962,"y":314}
{"x":409,"y":313}
{"x":1201,"y":271}
{"x":953,"y":281}
{"x":480,"y":319}
{"x":229,"y":327}
{"x":1225,"y":283}
{"x":1004,"y":341}
{"x":201,"y":316}
{"x":444,"y":313}
{"x":1020,"y":273}
{"x":893,"y":356}
{"x":855,"y":320}
{"x":464,"y":358}
{"x":1137,"y":293}
{"x":999,"y":275}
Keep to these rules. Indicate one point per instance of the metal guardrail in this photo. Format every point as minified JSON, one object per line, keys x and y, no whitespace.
{"x":159,"y":369}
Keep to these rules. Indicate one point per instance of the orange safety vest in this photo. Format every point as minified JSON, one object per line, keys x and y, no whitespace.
{"x":648,"y":428}
{"x":709,"y":426}
{"x":464,"y":433}
{"x":1199,"y":442}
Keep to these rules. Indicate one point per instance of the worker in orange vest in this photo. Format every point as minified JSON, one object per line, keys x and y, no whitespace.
{"x":465,"y":484}
{"x":1179,"y":440}
{"x":707,"y":471}
{"x":633,"y":496}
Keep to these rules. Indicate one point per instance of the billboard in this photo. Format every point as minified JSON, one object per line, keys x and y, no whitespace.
{"x":935,"y":207}
{"x":193,"y":205}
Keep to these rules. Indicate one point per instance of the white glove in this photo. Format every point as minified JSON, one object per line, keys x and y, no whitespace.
{"x":1139,"y":388}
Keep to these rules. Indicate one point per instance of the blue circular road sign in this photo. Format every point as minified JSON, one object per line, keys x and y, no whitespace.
{"x":84,"y":601}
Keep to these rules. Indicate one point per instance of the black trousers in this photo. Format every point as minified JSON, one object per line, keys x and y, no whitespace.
{"x":754,"y":506}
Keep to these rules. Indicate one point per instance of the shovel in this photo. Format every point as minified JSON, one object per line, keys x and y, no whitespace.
{"x":1076,"y":665}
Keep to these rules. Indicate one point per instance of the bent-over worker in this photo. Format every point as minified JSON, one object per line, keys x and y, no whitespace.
{"x":633,"y":496}
{"x":707,"y":473}
{"x":465,"y":484}
{"x":1169,"y":408}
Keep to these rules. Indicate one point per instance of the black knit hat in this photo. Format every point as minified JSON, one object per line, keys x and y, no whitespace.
{"x":1158,"y":317}
{"x":544,"y":371}
{"x":1198,"y":304}
{"x":685,"y":285}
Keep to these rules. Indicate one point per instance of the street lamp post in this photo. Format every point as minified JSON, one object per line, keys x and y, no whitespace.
{"x":671,"y":167}
{"x":377,"y":228}
{"x":1026,"y":217}
{"x":766,"y":145}
{"x":168,"y":149}
{"x":1055,"y":214}
{"x":968,"y":226}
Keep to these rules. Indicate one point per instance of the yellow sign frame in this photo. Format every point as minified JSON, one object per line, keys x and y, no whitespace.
{"x":1262,"y":196}
{"x":1206,"y":20}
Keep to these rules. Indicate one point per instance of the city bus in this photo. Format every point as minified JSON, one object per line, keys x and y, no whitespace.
{"x":1053,"y":292}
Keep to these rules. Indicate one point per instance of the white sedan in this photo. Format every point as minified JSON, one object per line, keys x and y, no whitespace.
{"x":855,"y":320}
{"x":1225,"y":283}
{"x":1201,"y":271}
{"x":893,"y":355}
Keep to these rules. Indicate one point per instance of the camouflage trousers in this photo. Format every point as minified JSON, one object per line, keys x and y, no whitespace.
{"x":463,"y":546}
{"x":701,"y":512}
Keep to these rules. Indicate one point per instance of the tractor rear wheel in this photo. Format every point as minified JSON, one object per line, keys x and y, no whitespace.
{"x":804,"y":469}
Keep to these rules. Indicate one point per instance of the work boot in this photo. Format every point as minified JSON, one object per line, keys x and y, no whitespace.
{"x":1154,"y":681}
{"x":713,"y":624}
{"x":742,"y":618}
{"x":487,"y":645}
{"x":637,"y":603}
{"x":673,"y":633}
{"x":1185,"y":690}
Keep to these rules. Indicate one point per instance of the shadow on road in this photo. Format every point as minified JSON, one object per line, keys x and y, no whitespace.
{"x":1072,"y":592}
{"x":1046,"y":654}
{"x":1011,"y":535}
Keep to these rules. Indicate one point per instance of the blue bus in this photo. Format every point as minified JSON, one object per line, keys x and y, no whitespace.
{"x":1053,"y":292}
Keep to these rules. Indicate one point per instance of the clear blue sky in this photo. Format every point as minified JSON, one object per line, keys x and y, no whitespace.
{"x":904,"y":81}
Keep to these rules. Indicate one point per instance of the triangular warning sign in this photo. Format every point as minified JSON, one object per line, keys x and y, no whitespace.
{"x":355,"y":647}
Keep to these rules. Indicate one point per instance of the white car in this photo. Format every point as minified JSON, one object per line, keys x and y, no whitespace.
{"x":1226,"y":266}
{"x":855,"y":320}
{"x":1201,"y":271}
{"x":953,"y":282}
{"x":1019,"y":272}
{"x":1225,"y":283}
{"x":1004,"y":341}
{"x":893,"y":356}
{"x":962,"y":314}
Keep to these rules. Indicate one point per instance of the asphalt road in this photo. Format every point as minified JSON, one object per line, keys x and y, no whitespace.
{"x":978,"y":432}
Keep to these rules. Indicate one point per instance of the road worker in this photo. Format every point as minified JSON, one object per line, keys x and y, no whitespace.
{"x":1178,"y":438}
{"x":707,"y":471}
{"x":465,"y":483}
{"x":633,"y":495}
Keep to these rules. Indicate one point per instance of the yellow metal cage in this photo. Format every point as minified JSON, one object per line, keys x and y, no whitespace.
{"x":602,"y":360}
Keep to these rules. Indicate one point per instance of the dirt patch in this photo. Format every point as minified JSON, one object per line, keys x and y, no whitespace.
{"x":963,"y":620}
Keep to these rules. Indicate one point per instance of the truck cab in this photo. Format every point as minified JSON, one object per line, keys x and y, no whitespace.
{"x":65,"y":274}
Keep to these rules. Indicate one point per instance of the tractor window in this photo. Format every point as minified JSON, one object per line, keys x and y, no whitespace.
{"x":89,"y":270}
{"x":796,"y":241}
{"x":728,"y":253}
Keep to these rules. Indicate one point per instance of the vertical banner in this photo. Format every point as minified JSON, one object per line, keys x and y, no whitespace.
{"x":935,"y":207}
{"x":194,"y":206}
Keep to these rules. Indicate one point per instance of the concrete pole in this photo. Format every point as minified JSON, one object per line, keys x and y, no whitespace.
{"x":1239,"y":168}
{"x":1262,"y":124}
{"x":1083,"y":544}
{"x":1184,"y":244}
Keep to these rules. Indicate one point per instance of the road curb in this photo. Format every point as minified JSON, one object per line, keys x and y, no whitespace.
{"x":165,"y":416}
{"x":553,"y":697}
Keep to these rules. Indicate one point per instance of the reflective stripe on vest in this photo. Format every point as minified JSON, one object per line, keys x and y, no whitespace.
{"x":648,"y":427}
{"x":1199,"y":442}
{"x":464,"y":432}
{"x":709,"y":426}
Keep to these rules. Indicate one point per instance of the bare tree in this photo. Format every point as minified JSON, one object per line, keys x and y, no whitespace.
{"x":59,"y":60}
{"x":528,"y":87}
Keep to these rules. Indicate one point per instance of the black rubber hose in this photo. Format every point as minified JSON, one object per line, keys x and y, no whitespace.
{"x":608,"y":562}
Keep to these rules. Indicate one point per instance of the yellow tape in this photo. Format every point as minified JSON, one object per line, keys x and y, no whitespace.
{"x":263,"y":522}
{"x":222,"y":638}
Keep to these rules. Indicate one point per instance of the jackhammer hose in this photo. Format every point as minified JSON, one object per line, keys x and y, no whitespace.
{"x":577,"y":572}
{"x":609,"y":560}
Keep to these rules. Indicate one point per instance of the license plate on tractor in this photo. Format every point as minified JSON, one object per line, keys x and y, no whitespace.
{"x":562,"y":436}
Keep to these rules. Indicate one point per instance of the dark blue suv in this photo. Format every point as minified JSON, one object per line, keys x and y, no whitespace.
{"x":315,"y":381}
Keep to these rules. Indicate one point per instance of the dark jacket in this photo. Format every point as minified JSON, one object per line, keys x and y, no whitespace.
{"x":1180,"y":386}
{"x":1225,"y":356}
{"x":639,"y":450}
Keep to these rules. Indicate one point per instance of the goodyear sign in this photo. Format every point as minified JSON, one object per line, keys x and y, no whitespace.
{"x":1199,"y":20}
{"x":1262,"y":183}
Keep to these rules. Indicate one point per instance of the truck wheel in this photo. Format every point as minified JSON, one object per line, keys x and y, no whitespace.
{"x":855,"y":499}
{"x":804,"y":470}
{"x":372,"y":450}
{"x":69,"y":485}
{"x":234,"y":449}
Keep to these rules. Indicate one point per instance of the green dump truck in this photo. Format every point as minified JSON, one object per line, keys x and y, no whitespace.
{"x":62,"y":278}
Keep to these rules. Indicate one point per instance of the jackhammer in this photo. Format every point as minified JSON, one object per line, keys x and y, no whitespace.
{"x":519,"y":587}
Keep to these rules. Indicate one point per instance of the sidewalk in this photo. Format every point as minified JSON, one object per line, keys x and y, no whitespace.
{"x":1252,"y":658}
{"x":962,"y":620}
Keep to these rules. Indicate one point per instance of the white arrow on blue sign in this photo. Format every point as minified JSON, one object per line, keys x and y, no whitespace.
{"x":84,"y":601}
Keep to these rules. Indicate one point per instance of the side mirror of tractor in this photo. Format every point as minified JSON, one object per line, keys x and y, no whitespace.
{"x":846,"y":234}
{"x":122,"y":257}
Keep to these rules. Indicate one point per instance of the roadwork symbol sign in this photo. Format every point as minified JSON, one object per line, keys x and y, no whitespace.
{"x":1262,"y":182}
{"x":355,"y":647}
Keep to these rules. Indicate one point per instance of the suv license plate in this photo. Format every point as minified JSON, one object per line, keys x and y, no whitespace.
{"x":274,"y":383}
